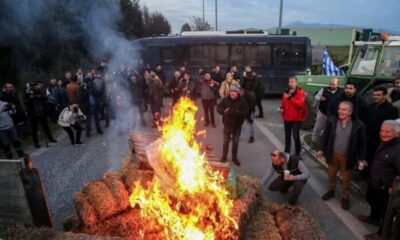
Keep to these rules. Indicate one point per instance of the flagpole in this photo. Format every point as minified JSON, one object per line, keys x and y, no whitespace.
{"x":280,"y":18}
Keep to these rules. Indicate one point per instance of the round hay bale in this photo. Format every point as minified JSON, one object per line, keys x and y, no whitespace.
{"x":118,"y":191}
{"x":84,"y":209}
{"x":101,"y":199}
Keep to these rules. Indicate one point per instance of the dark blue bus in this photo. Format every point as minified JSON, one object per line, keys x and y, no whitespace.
{"x":273,"y":58}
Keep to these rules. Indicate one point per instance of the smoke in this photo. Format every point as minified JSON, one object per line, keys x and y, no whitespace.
{"x":31,"y":28}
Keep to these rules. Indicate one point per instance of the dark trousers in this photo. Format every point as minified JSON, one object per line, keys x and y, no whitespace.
{"x":208,"y":107}
{"x":234,"y":133}
{"x":279,"y":184}
{"x":5,"y":136}
{"x":95,"y":115}
{"x":292,"y":127}
{"x":260,"y":108}
{"x":70,"y":132}
{"x":377,"y":199}
{"x":35,"y":124}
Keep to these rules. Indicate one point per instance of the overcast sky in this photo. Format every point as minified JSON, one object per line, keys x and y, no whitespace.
{"x":263,"y":14}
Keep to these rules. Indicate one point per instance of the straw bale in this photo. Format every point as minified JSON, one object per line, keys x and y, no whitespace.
{"x":118,"y":191}
{"x":296,"y":223}
{"x":101,"y":199}
{"x":143,"y":176}
{"x":84,"y":209}
{"x":72,"y":223}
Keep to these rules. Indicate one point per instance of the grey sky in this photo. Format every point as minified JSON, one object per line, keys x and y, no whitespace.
{"x":238,"y":14}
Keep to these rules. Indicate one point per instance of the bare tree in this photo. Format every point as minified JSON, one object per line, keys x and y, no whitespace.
{"x":186,"y":28}
{"x":197,"y":24}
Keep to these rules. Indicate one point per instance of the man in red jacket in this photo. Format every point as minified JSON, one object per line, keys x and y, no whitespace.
{"x":294,"y":111}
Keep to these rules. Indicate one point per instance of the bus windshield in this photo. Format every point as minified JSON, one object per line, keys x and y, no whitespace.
{"x":365,"y":62}
{"x":391,"y":62}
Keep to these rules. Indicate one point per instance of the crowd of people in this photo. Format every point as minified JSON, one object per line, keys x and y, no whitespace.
{"x":348,"y":132}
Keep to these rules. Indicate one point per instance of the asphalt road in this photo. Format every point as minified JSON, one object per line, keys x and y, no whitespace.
{"x":65,"y":169}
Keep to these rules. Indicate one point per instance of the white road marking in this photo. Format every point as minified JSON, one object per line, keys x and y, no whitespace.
{"x":354,"y":225}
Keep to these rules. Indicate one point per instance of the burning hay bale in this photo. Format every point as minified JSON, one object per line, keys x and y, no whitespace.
{"x":84,"y":209}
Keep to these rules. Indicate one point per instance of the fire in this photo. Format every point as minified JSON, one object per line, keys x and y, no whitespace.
{"x":186,"y":199}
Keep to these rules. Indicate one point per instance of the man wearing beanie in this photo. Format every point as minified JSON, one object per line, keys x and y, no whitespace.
{"x":234,"y":110}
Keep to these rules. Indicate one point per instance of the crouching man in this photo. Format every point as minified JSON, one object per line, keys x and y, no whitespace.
{"x":292,"y":172}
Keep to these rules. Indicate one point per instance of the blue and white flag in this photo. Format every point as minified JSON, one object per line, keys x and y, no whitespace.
{"x":329,"y":67}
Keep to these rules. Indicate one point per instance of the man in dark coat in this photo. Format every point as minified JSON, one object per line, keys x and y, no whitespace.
{"x":343,"y":143}
{"x":138,"y":97}
{"x":234,"y":110}
{"x":384,"y":169}
{"x":10,"y":95}
{"x":377,"y":112}
{"x":252,"y":83}
{"x":173,"y":87}
{"x":216,"y":74}
{"x":350,"y":94}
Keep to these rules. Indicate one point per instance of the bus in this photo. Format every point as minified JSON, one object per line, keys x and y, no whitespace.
{"x":273,"y":58}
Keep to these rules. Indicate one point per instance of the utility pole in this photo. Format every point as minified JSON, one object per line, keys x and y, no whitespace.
{"x":203,"y":12}
{"x":279,"y":31}
{"x":216,"y":15}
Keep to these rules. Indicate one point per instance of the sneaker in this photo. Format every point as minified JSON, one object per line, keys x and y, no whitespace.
{"x":100,"y":132}
{"x":260,"y":116}
{"x":88,"y":135}
{"x":251,"y":140}
{"x":328,"y":195}
{"x":223,"y":160}
{"x":368,"y":220}
{"x":236,"y":161}
{"x":79,"y":142}
{"x":206,"y":124}
{"x":345,"y":203}
{"x":52,"y":140}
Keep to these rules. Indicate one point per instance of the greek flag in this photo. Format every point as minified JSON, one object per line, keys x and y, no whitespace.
{"x":329,"y":67}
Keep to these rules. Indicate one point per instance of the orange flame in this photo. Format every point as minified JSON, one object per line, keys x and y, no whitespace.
{"x":192,"y":204}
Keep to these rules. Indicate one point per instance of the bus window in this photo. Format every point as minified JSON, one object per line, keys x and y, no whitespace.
{"x":298,"y":56}
{"x":237,"y":55}
{"x":168,"y":55}
{"x":264,"y":55}
{"x":195,"y":57}
{"x":251,"y":56}
{"x":209,"y":55}
{"x":222,"y":55}
{"x":281,"y":55}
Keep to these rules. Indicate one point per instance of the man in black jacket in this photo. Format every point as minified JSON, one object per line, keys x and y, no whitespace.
{"x":234,"y":110}
{"x":350,"y":94}
{"x":377,"y":112}
{"x":384,"y":169}
{"x":343,"y":143}
{"x":252,"y":83}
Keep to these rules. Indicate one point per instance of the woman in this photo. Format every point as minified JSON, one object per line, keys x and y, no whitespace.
{"x":225,"y":85}
{"x":69,"y":118}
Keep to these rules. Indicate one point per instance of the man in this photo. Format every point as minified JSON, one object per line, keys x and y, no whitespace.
{"x":8,"y":131}
{"x":67,"y":77}
{"x":72,"y":91}
{"x":138,"y":100}
{"x":216,"y":74}
{"x":292,"y":172}
{"x":252,"y":83}
{"x":393,"y":96}
{"x":207,"y":88}
{"x":160,"y":73}
{"x":377,"y":112}
{"x":187,"y":87}
{"x":343,"y":143}
{"x":10,"y":95}
{"x":350,"y":94}
{"x":51,"y":106}
{"x":294,"y":111}
{"x":250,"y":98}
{"x":173,"y":87}
{"x":36,"y":107}
{"x":384,"y":169}
{"x":234,"y":110}
{"x":324,"y":97}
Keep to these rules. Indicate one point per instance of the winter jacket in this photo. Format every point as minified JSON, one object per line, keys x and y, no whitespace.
{"x":294,"y":108}
{"x":68,"y":118}
{"x":357,"y":148}
{"x":60,"y":97}
{"x":6,"y":121}
{"x":217,"y":76}
{"x":224,"y":89}
{"x":72,"y":92}
{"x":386,"y":164}
{"x":207,"y":91}
{"x":187,"y":89}
{"x":238,"y":110}
{"x":13,"y":98}
{"x":394,"y":102}
{"x":155,"y":95}
{"x":36,"y":104}
{"x":254,"y":84}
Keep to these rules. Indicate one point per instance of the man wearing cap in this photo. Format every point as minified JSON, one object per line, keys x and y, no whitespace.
{"x":292,"y":172}
{"x":234,"y":110}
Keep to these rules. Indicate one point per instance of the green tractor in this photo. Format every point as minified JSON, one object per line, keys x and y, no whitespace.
{"x":374,"y":64}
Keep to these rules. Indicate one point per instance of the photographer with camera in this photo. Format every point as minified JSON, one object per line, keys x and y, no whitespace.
{"x":35,"y":103}
{"x":71,"y":117}
{"x":8,"y":131}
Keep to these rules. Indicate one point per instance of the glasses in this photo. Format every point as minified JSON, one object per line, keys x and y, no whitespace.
{"x":274,"y":154}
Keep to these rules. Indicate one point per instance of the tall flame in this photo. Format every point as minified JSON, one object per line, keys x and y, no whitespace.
{"x":193,"y":204}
